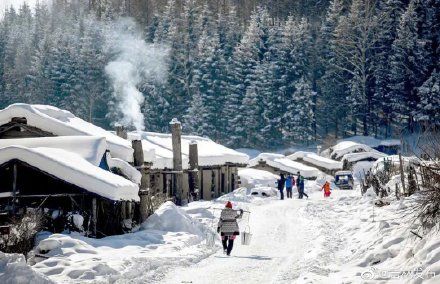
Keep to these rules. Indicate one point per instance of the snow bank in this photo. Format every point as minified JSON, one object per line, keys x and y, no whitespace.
{"x":74,"y":169}
{"x":14,"y":269}
{"x":91,"y":148}
{"x":264,"y":192}
{"x":282,"y":163}
{"x":169,"y":238}
{"x":366,"y":244}
{"x":316,"y":160}
{"x":171,"y":218}
{"x":252,"y":177}
{"x":159,"y":151}
{"x":64,"y":123}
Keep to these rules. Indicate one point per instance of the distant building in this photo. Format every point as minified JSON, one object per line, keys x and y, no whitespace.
{"x":280,"y":164}
{"x":217,"y":165}
{"x":324,"y":164}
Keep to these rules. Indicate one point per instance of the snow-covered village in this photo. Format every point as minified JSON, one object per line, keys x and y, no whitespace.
{"x":207,"y":141}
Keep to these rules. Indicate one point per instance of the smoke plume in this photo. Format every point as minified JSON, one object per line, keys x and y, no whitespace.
{"x":134,"y":62}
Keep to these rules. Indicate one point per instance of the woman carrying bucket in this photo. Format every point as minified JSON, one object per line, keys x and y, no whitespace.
{"x":228,"y":226}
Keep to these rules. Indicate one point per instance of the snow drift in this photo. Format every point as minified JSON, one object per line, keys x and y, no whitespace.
{"x":170,"y":218}
{"x":252,"y":177}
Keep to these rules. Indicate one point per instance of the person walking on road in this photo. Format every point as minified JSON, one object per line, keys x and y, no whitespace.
{"x":327,"y":189}
{"x":300,"y":186}
{"x":280,"y":184}
{"x":228,"y":227}
{"x":290,"y":182}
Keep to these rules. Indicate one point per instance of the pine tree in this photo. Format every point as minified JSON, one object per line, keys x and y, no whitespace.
{"x":247,"y":55}
{"x":428,"y":109}
{"x":299,"y":121}
{"x":409,"y":63}
{"x":390,"y":12}
{"x":332,"y":106}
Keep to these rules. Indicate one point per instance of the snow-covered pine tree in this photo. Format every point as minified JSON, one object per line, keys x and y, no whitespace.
{"x":409,"y":63}
{"x":301,"y":117}
{"x":195,"y":122}
{"x":428,"y":109}
{"x":206,"y":84}
{"x":252,"y":111}
{"x":332,"y":106}
{"x":271,"y":82}
{"x":356,"y":40}
{"x":389,"y":15}
{"x":247,"y":55}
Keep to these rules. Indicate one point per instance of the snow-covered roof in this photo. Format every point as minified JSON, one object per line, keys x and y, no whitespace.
{"x":316,"y":160}
{"x":158,"y":150}
{"x":126,"y":169}
{"x":73,"y":169}
{"x":285,"y":164}
{"x":390,"y":142}
{"x":354,"y":157}
{"x":90,"y":148}
{"x":345,"y":147}
{"x":64,"y":123}
{"x":372,"y":141}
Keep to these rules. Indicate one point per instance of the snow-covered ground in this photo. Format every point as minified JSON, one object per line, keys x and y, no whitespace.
{"x":341,"y":239}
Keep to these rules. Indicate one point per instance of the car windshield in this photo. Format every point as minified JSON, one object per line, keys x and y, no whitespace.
{"x":342,"y":177}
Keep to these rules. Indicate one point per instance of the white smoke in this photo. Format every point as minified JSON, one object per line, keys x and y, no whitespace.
{"x":135,"y":62}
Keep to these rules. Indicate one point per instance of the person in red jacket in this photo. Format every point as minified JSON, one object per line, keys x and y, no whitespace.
{"x":327,"y":189}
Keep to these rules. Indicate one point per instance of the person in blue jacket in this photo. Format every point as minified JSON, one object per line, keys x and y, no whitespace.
{"x":290,"y":182}
{"x":300,"y":186}
{"x":280,"y":184}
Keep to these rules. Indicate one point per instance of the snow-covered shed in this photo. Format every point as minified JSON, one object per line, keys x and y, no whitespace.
{"x":58,"y":180}
{"x":25,"y":121}
{"x":337,"y":151}
{"x":324,"y":164}
{"x":350,"y":159}
{"x":277,"y":164}
{"x":387,"y":146}
{"x":217,"y":164}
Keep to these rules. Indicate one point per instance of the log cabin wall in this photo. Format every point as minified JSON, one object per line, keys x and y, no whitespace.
{"x":38,"y":189}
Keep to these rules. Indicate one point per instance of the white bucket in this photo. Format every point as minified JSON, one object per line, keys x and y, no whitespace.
{"x":246,"y":237}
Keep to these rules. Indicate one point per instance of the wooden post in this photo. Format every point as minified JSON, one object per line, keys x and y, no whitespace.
{"x":138,"y":162}
{"x":402,"y":174}
{"x":138,"y":155}
{"x":14,"y":188}
{"x":176,"y":136}
{"x":121,"y":131}
{"x":94,"y":216}
{"x":193,"y":173}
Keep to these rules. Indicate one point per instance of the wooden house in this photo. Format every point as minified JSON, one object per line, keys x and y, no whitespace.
{"x":62,"y":166}
{"x":215,"y":169}
{"x":280,"y":164}
{"x":323,"y":164}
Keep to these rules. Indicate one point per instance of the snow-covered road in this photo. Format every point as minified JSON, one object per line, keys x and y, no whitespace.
{"x":335,"y":240}
{"x":283,"y":236}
